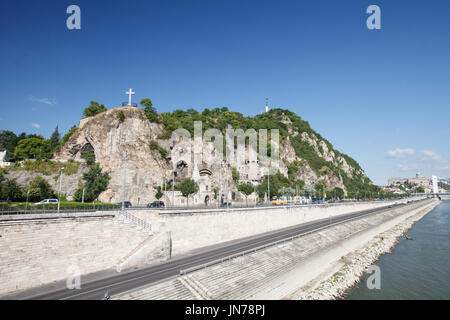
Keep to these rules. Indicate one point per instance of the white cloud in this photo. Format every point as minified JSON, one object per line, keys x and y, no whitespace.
{"x":428,"y":161}
{"x":36,"y":125}
{"x":43,"y":100}
{"x":400,"y":153}
{"x":428,"y":154}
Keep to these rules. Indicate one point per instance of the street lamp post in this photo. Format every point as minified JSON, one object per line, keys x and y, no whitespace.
{"x":173,"y":188}
{"x":226,"y":168}
{"x":60,"y":183}
{"x":124,"y":179}
{"x":268,"y":183}
{"x":26,"y":205}
{"x":165,"y":194}
{"x":219,"y":196}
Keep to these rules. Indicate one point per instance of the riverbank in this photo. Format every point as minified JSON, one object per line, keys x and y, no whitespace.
{"x":279,"y":271}
{"x":342,"y":275}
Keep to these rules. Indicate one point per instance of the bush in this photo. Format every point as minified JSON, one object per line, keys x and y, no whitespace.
{"x":69,"y":134}
{"x":95,"y":182}
{"x":121,"y":116}
{"x":94,"y":109}
{"x":155,"y":146}
{"x":39,"y":189}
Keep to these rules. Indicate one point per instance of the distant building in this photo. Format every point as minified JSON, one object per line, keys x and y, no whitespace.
{"x":419,"y":181}
{"x":394,"y":190}
{"x":4,"y":163}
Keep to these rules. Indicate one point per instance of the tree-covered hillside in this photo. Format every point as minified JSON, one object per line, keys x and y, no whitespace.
{"x":290,"y":126}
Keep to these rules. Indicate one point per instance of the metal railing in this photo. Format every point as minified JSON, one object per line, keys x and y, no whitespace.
{"x":44,"y":209}
{"x":138,"y":222}
{"x":126,"y":104}
{"x":278,"y":242}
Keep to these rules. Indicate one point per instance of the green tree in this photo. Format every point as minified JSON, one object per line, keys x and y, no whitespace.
{"x":277,"y":181}
{"x":149,"y":110}
{"x":287,"y":191}
{"x":39,"y":189}
{"x":246,"y":189}
{"x":55,"y":139}
{"x":299,"y":184}
{"x":319,"y":189}
{"x":93,"y":109}
{"x":8,"y":142}
{"x":235,"y":175}
{"x":11,"y":190}
{"x":159,"y":193}
{"x":33,"y":148}
{"x":187,"y":188}
{"x":95,"y":182}
{"x":307,"y":191}
{"x":338,"y":193}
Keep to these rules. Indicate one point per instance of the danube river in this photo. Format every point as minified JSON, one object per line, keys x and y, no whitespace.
{"x":418,"y":268}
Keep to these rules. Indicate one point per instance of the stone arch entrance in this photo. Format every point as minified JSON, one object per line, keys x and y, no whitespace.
{"x":87,"y":152}
{"x":206,"y":200}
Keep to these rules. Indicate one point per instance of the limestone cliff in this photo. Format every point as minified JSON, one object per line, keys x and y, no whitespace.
{"x":109,"y":136}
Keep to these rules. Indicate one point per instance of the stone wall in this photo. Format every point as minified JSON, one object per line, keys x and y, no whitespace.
{"x":38,"y":252}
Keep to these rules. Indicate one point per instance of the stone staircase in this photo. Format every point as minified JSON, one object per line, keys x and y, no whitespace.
{"x":247,"y":276}
{"x":140,"y":224}
{"x":152,"y":250}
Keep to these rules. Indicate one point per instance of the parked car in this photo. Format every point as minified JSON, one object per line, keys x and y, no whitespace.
{"x":156,"y":204}
{"x":260,"y":203}
{"x":225,"y":204}
{"x":126,"y":204}
{"x":48,"y":201}
{"x":5,"y":201}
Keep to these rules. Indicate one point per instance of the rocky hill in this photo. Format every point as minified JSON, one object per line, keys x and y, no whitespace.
{"x":305,"y":155}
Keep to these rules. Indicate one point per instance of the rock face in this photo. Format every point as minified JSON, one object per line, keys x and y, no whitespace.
{"x":69,"y":183}
{"x":109,"y":137}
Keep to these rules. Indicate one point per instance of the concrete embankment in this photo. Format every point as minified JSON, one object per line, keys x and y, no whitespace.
{"x":296,"y":269}
{"x":196,"y":229}
{"x":363,"y":250}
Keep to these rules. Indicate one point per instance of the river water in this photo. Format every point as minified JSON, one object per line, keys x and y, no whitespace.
{"x":418,"y":268}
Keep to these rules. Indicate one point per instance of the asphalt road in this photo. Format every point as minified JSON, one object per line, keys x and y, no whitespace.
{"x":122,"y":282}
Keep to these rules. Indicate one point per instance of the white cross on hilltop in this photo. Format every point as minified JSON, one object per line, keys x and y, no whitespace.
{"x":130,"y":93}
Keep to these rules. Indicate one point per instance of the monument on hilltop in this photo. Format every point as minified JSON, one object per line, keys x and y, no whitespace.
{"x":129,"y":93}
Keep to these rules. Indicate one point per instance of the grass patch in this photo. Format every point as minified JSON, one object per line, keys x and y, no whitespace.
{"x":48,"y":167}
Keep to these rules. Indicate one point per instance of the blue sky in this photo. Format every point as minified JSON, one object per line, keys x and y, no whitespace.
{"x":381,"y":96}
